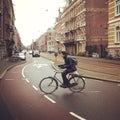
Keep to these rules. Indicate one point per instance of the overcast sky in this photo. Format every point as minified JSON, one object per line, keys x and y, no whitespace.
{"x":34,"y":17}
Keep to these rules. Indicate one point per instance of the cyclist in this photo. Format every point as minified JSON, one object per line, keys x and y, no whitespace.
{"x":70,"y":67}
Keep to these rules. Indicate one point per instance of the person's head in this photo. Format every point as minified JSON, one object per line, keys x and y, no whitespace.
{"x":64,"y":54}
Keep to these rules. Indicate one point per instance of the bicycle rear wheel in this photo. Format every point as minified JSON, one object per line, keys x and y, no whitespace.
{"x":48,"y":85}
{"x":77,"y":82}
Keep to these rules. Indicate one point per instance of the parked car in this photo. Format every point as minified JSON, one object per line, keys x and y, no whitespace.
{"x":36,"y":53}
{"x":95,"y":55}
{"x":14,"y":58}
{"x":22,"y":56}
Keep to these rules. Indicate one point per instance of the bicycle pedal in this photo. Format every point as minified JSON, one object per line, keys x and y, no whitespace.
{"x":63,"y":86}
{"x":73,"y":84}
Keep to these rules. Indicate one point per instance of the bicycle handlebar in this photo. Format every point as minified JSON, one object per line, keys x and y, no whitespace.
{"x":57,"y":71}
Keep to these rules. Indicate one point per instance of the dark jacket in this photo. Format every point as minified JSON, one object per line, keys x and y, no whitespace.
{"x":68,"y":64}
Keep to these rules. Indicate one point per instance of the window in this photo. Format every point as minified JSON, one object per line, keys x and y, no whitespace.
{"x":117,"y":39}
{"x":117,"y":7}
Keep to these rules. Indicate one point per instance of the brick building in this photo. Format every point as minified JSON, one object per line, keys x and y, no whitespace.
{"x":17,"y":41}
{"x":97,"y":26}
{"x":42,"y":43}
{"x":47,"y":41}
{"x":83,"y":26}
{"x":114,"y":29}
{"x":7,"y":19}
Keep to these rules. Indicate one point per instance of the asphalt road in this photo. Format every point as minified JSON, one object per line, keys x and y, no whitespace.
{"x":24,"y":102}
{"x":98,"y":101}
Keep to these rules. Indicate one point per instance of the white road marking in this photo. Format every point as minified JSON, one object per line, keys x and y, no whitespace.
{"x":49,"y":99}
{"x":77,"y":116}
{"x":35,"y":87}
{"x":23,"y":72}
{"x":40,"y":65}
{"x":94,"y":91}
{"x":9,"y":79}
{"x":27,"y":80}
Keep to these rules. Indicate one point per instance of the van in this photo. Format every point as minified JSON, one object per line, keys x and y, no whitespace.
{"x":35,"y":53}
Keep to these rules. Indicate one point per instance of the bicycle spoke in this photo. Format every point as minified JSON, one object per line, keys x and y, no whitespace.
{"x":78,"y":82}
{"x":48,"y":85}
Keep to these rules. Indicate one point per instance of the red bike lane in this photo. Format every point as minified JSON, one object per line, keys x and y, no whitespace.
{"x":24,"y":103}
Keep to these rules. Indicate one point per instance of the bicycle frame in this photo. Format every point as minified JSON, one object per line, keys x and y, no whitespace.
{"x":55,"y":76}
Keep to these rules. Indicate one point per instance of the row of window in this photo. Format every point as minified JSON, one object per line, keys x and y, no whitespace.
{"x":117,"y":7}
{"x":117,"y":12}
{"x":117,"y":40}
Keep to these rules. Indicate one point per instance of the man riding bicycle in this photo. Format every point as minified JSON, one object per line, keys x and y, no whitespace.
{"x":70,"y":67}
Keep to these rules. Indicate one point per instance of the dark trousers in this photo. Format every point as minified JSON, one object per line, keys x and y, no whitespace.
{"x":64,"y":76}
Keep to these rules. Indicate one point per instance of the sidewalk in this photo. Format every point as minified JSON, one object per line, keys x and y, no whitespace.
{"x":5,"y":65}
{"x":89,"y":71}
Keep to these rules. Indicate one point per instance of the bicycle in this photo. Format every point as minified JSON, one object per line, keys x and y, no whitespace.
{"x":50,"y":84}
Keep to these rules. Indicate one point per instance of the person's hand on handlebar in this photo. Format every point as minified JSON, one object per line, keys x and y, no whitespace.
{"x":61,"y":66}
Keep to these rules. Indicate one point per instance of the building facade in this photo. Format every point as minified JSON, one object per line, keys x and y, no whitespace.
{"x":41,"y":41}
{"x":7,"y":19}
{"x":47,"y":42}
{"x":84,"y":26}
{"x":97,"y":26}
{"x":17,"y":41}
{"x":114,"y":29}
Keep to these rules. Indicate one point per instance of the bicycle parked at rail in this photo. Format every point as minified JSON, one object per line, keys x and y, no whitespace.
{"x":50,"y":84}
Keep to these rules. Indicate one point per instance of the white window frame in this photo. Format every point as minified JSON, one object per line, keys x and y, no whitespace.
{"x":117,"y":34}
{"x":117,"y":7}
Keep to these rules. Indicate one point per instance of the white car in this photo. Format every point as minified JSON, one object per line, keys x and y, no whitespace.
{"x":22,"y":56}
{"x":36,"y":53}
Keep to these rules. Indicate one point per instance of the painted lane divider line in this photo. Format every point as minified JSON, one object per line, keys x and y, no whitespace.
{"x":77,"y":116}
{"x":23,"y":72}
{"x":27,"y":80}
{"x":9,"y":79}
{"x":94,"y":91}
{"x":35,"y":87}
{"x":49,"y":99}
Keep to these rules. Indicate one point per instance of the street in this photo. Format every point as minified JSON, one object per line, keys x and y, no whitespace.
{"x":20,"y":90}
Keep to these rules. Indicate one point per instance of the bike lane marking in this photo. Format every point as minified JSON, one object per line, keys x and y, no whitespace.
{"x":48,"y":98}
{"x":35,"y":87}
{"x":77,"y":116}
{"x":27,"y":80}
{"x":52,"y":101}
{"x":23,"y":71}
{"x":71,"y":113}
{"x":9,"y":79}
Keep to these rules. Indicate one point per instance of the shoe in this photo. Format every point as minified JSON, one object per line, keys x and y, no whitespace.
{"x":73,"y":84}
{"x":64,"y":86}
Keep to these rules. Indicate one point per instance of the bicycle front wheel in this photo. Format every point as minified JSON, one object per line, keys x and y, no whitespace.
{"x":48,"y":85}
{"x":78,"y":83}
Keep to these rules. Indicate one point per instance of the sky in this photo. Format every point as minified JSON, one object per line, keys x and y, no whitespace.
{"x":34,"y":17}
